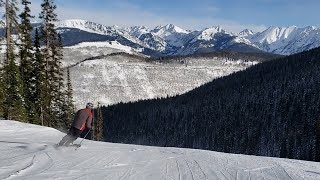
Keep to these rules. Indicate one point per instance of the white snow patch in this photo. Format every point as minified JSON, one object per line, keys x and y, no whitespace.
{"x":109,"y":44}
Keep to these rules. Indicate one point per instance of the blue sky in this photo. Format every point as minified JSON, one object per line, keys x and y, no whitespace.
{"x":192,"y":14}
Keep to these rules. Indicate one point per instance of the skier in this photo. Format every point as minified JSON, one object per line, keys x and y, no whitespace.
{"x":82,"y":120}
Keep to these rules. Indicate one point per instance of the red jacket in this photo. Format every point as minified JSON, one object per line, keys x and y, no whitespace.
{"x":82,"y":119}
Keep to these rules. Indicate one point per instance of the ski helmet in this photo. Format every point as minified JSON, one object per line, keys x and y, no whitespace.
{"x":89,"y":105}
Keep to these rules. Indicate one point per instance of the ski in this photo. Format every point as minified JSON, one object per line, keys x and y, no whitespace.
{"x":71,"y":145}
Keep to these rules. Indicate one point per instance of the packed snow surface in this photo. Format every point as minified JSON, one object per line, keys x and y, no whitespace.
{"x":28,"y":152}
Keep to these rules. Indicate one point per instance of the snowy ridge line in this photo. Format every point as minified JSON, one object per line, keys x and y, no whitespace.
{"x":238,"y":56}
{"x":104,"y":56}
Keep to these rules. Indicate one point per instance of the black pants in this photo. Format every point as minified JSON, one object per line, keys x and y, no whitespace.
{"x":72,"y":135}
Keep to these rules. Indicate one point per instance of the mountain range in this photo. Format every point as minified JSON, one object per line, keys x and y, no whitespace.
{"x":173,"y":40}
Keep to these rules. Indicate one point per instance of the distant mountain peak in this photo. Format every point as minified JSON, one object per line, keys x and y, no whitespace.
{"x":170,"y":28}
{"x":246,"y":32}
{"x":209,"y":33}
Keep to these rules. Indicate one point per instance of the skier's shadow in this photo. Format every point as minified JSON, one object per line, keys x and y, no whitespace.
{"x":13,"y":142}
{"x":24,"y":145}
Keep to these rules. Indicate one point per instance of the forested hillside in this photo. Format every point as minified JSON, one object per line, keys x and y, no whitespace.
{"x":270,"y":109}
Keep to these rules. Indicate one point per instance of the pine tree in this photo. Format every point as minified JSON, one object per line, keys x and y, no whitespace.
{"x":68,"y":109}
{"x":59,"y":101}
{"x":13,"y":101}
{"x":14,"y":104}
{"x":27,"y":61}
{"x":52,"y":64}
{"x":41,"y":81}
{"x":99,"y":124}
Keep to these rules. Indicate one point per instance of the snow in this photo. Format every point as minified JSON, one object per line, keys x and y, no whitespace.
{"x":209,"y":33}
{"x":123,"y":79}
{"x":110,"y":44}
{"x":287,"y":40}
{"x":171,"y":39}
{"x":28,"y":153}
{"x":242,"y":40}
{"x":274,"y":34}
{"x":172,"y":34}
{"x":137,"y":31}
{"x":246,"y":33}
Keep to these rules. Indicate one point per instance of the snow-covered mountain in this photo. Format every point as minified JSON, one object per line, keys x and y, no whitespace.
{"x":95,"y":28}
{"x":28,"y":153}
{"x":160,"y":41}
{"x":173,"y":35}
{"x":286,"y":40}
{"x":78,"y":31}
{"x":246,"y":33}
{"x":216,"y":39}
{"x":173,"y":40}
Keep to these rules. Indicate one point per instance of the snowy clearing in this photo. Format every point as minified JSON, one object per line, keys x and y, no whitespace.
{"x":112,"y":44}
{"x":27,"y":152}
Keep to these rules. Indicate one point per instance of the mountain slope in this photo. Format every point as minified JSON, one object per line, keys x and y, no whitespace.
{"x":288,"y":40}
{"x":29,"y":154}
{"x":271,"y":109}
{"x":173,"y":35}
{"x":110,"y":80}
{"x":216,"y":39}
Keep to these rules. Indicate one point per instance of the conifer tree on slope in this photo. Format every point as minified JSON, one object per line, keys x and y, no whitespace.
{"x":60,"y":105}
{"x":13,"y":102}
{"x":68,"y":110}
{"x":27,"y":61}
{"x":40,"y":74}
{"x":51,"y":57}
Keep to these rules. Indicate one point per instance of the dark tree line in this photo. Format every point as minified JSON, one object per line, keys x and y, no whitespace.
{"x":270,"y":109}
{"x":230,"y":55}
{"x":222,"y":55}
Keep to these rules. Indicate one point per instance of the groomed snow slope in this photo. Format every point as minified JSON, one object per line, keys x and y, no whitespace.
{"x":27,"y":152}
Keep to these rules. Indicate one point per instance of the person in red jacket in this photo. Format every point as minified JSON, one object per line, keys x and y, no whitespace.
{"x":82,"y":120}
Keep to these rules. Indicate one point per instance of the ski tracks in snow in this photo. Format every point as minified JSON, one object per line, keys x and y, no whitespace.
{"x":93,"y":160}
{"x":125,"y":163}
{"x":35,"y":162}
